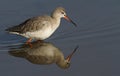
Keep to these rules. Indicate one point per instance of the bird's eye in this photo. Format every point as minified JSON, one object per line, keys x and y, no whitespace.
{"x":68,"y":63}
{"x":62,"y":12}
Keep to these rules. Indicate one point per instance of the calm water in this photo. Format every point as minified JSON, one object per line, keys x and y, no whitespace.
{"x":97,"y":34}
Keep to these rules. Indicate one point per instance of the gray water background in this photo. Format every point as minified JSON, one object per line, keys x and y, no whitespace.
{"x":97,"y":34}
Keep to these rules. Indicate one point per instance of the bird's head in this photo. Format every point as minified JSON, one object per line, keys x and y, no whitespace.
{"x":60,"y":12}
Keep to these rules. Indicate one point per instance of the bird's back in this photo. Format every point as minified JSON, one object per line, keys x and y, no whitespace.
{"x":30,"y":25}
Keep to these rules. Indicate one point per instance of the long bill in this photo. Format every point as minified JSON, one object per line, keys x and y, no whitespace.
{"x":68,"y":19}
{"x":70,"y":56}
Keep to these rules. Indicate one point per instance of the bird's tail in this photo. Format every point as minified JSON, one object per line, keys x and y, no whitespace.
{"x":17,"y":53}
{"x":12,"y":30}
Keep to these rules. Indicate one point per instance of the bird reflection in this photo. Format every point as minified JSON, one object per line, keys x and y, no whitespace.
{"x":43,"y":53}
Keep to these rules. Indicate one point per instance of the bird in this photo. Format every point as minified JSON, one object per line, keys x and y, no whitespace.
{"x":43,"y":54}
{"x":40,"y":27}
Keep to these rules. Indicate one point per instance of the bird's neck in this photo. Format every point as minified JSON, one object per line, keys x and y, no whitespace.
{"x":61,"y":64}
{"x":56,"y":22}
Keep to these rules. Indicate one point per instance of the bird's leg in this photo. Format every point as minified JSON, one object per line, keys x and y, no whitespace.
{"x":28,"y":42}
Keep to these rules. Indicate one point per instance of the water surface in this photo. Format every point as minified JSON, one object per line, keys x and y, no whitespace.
{"x":97,"y":34}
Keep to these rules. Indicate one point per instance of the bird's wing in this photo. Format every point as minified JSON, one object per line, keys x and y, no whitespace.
{"x":30,"y":25}
{"x":37,"y":59}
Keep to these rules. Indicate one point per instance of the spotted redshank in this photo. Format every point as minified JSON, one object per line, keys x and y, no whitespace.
{"x":40,"y":27}
{"x":43,"y":53}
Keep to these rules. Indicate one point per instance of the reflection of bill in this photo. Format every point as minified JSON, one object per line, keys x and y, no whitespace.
{"x":43,"y":53}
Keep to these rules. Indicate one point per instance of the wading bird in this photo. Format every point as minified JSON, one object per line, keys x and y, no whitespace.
{"x":40,"y":27}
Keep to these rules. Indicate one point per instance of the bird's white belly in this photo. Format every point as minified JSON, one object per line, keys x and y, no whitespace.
{"x":40,"y":34}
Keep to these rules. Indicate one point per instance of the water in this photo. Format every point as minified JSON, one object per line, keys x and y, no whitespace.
{"x":97,"y":35}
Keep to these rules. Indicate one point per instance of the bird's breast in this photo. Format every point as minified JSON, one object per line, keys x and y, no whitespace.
{"x":39,"y":34}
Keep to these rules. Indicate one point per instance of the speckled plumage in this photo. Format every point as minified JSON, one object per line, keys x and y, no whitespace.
{"x":40,"y":27}
{"x":31,"y":25}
